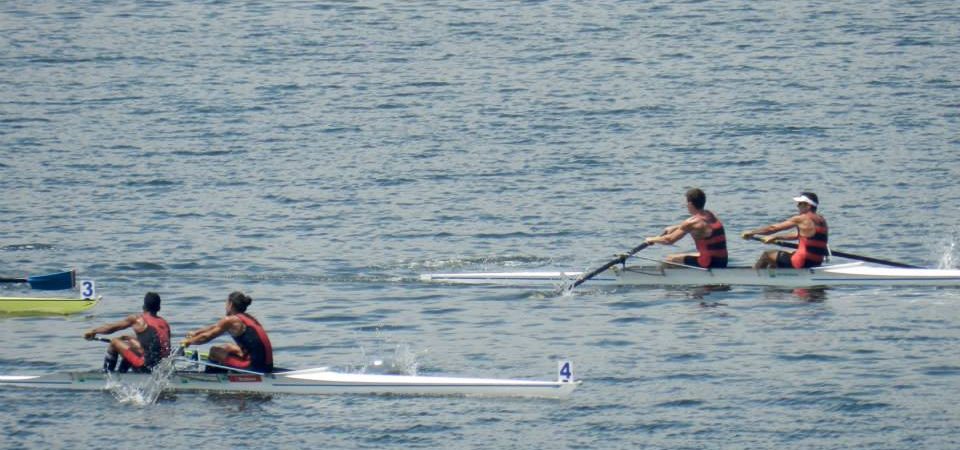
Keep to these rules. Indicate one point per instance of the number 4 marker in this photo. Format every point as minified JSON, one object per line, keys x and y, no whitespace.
{"x":565,"y":369}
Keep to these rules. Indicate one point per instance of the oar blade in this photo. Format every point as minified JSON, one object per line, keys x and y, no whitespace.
{"x":54,"y":281}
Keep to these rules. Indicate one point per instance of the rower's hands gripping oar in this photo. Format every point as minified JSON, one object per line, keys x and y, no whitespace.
{"x":620,"y":259}
{"x":774,"y":241}
{"x":96,"y":338}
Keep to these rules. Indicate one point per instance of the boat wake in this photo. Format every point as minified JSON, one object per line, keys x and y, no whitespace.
{"x":478,"y":263}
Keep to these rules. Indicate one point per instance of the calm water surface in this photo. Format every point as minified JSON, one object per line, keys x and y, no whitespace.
{"x":321,"y":155}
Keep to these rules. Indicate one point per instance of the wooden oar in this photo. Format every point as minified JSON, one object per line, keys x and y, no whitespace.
{"x":51,"y":282}
{"x":845,"y":255}
{"x":593,"y":273}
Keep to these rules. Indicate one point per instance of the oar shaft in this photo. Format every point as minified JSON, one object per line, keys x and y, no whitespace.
{"x":846,"y":255}
{"x":608,"y":265}
{"x":13,"y":280}
{"x":208,"y":363}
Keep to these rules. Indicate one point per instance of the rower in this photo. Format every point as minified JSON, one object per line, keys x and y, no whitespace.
{"x":810,"y":229}
{"x":252,"y":350}
{"x":705,"y":229}
{"x":143,"y":351}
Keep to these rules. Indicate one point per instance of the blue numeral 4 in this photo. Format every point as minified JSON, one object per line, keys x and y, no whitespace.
{"x":566,"y":371}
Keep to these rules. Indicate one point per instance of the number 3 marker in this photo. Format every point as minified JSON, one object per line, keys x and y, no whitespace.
{"x":87,"y":289}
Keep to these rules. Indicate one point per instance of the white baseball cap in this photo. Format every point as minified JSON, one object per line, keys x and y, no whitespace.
{"x":803,"y":198}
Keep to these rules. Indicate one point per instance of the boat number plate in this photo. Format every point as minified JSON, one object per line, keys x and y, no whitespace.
{"x":565,"y":371}
{"x":87,"y":289}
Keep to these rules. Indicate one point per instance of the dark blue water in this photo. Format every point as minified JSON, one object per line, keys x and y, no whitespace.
{"x":321,"y":155}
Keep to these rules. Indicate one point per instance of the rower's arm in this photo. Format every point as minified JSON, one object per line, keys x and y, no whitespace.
{"x":111,"y":327}
{"x":669,"y":238}
{"x":207,"y":334}
{"x":673,"y":234}
{"x":786,"y":237}
{"x":785,"y":225}
{"x":669,"y":230}
{"x":201,"y":330}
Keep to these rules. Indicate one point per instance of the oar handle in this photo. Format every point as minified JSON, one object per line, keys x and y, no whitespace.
{"x":780,"y":243}
{"x":846,"y":255}
{"x":608,"y":265}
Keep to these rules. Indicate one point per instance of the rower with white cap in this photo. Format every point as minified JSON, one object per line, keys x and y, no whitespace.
{"x":811,"y":231}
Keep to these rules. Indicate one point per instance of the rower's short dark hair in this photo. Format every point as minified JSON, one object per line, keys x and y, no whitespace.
{"x":240,"y":300}
{"x":697,"y":197}
{"x":151,"y":302}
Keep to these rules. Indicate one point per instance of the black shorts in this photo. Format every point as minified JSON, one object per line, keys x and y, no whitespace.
{"x":783,"y":259}
{"x":714,"y":262}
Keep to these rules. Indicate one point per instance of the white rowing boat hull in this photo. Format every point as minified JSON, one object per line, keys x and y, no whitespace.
{"x":854,"y":274}
{"x":304,"y":382}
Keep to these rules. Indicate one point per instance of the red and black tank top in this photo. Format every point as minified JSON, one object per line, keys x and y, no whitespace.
{"x":255,"y":344}
{"x":712,"y":249}
{"x":812,"y":250}
{"x":155,"y":339}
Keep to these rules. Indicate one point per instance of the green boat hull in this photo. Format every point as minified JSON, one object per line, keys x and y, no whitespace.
{"x":31,"y":305}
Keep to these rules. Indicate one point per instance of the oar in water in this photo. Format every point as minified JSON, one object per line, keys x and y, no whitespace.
{"x":51,"y":282}
{"x":844,"y":255}
{"x":597,"y":271}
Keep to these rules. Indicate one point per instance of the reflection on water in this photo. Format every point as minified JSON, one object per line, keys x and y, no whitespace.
{"x":807,"y":294}
{"x":812,"y":295}
{"x":239,"y":401}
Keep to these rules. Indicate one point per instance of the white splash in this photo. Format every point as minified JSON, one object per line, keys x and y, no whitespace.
{"x":148,"y":391}
{"x":948,"y":257}
{"x":403,"y":361}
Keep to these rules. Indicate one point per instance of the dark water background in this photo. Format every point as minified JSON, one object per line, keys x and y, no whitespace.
{"x":320,"y":155}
